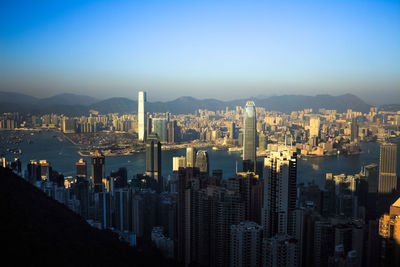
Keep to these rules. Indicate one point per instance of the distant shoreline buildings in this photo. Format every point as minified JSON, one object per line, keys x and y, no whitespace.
{"x":258,"y":216}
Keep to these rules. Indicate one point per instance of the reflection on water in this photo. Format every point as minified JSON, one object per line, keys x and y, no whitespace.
{"x":315,"y":166}
{"x":63,"y":156}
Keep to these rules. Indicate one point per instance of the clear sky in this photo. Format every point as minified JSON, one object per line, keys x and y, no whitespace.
{"x":216,"y":49}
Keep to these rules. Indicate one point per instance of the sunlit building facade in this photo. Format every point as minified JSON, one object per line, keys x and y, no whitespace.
{"x":249,"y":137}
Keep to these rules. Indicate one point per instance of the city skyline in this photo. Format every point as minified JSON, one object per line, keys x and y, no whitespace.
{"x":200,"y":133}
{"x":323,"y":188}
{"x":202,"y":49}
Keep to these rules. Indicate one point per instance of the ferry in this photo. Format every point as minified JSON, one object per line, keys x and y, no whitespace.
{"x":235,"y":149}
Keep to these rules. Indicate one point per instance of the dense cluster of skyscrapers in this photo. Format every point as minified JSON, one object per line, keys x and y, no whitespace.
{"x":260,"y":217}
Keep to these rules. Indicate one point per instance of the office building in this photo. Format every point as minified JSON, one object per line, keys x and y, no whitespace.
{"x":45,"y":170}
{"x":153,"y":159}
{"x":354,"y":130}
{"x":370,"y":173}
{"x":160,"y":129}
{"x":249,"y":137}
{"x":33,"y":172}
{"x":202,"y":161}
{"x":98,"y":171}
{"x":149,"y":125}
{"x":389,"y":231}
{"x":81,"y":169}
{"x":387,"y":168}
{"x":173,"y":132}
{"x":178,"y":162}
{"x":190,"y":157}
{"x":142,"y":116}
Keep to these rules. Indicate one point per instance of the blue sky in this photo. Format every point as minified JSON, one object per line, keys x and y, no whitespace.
{"x":219,"y":49}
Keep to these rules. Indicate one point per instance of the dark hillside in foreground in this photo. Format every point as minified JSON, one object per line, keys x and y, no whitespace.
{"x":39,"y":231}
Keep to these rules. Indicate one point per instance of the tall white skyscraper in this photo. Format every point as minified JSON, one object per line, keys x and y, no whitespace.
{"x":142,"y":116}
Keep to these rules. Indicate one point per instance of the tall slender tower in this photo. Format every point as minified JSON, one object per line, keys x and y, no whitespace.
{"x":387,"y":168}
{"x":142,"y":115}
{"x":249,"y":137}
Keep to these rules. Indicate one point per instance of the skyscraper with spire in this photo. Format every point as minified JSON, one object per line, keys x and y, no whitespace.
{"x":249,"y":137}
{"x":142,"y":116}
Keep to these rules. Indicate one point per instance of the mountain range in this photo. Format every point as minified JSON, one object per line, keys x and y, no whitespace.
{"x":72,"y":104}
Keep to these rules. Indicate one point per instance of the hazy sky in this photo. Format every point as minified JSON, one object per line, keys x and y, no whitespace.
{"x":219,"y":49}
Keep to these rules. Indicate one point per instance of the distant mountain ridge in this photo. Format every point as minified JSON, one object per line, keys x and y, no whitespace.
{"x":71,"y":104}
{"x":69,"y":99}
{"x":60,"y":99}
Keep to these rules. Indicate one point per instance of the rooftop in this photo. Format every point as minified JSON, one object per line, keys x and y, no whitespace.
{"x":397,"y":203}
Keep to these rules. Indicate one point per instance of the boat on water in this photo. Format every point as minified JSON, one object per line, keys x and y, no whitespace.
{"x":235,"y":149}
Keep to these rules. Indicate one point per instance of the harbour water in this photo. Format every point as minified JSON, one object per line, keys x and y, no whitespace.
{"x":63,"y":155}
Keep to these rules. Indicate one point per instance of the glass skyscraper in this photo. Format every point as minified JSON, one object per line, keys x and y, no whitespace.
{"x":249,"y":137}
{"x":160,"y":128}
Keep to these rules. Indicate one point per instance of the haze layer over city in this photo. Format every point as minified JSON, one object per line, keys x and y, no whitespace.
{"x":200,"y":133}
{"x":226,"y":50}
